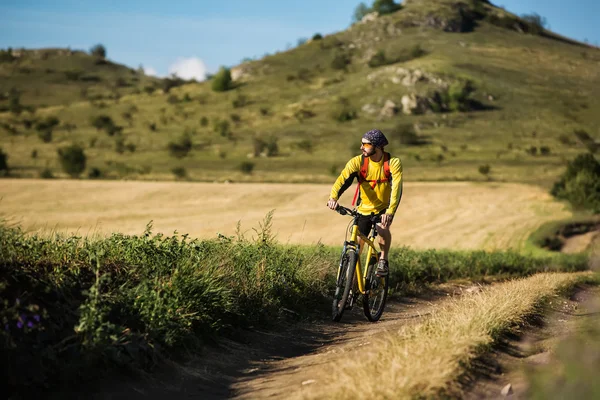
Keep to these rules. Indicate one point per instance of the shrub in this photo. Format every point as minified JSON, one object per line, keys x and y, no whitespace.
{"x":378,"y":59}
{"x":98,"y":51}
{"x":45,"y":136}
{"x":258,"y":146}
{"x":172,"y":99}
{"x":544,"y":150}
{"x":580,"y":183}
{"x":72,"y":159}
{"x":246,"y":167}
{"x":240,"y":101}
{"x":417,"y":51}
{"x":317,"y":36}
{"x":3,"y":163}
{"x":34,"y":153}
{"x":305,"y":145}
{"x":179,"y":172}
{"x":272,"y":146}
{"x":171,"y":82}
{"x":102,"y":122}
{"x":264,"y":111}
{"x":406,"y":135}
{"x":46,"y":173}
{"x":344,"y":111}
{"x":484,"y":169}
{"x":47,"y":123}
{"x":203,"y":121}
{"x":222,"y":81}
{"x":180,"y":147}
{"x":535,"y":22}
{"x":235,"y":118}
{"x":95,"y":173}
{"x":130,"y":147}
{"x":120,"y":144}
{"x":222,"y":128}
{"x":340,"y":61}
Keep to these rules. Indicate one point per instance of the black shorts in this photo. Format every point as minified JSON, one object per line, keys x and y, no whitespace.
{"x":364,"y":223}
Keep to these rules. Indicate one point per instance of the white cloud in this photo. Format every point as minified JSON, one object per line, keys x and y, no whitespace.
{"x":189,"y":68}
{"x":149,"y":71}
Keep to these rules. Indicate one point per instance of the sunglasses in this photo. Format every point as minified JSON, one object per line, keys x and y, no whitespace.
{"x":366,"y":145}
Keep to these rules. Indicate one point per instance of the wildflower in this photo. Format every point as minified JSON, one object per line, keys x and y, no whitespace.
{"x":7,"y":327}
{"x":30,"y":324}
{"x":36,"y":317}
{"x":19,"y":325}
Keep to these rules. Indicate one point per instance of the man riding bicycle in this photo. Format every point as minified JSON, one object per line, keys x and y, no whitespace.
{"x":380,"y":190}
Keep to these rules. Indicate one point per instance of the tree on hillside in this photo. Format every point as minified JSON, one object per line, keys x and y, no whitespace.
{"x":580,"y":184}
{"x":360,"y":11}
{"x":222,"y":80}
{"x":536,"y":22}
{"x":98,"y":51}
{"x":385,"y":6}
{"x":72,"y":159}
{"x":3,"y":163}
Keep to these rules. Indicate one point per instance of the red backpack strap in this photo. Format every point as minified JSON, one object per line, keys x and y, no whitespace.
{"x":362,"y":176}
{"x":386,"y":165}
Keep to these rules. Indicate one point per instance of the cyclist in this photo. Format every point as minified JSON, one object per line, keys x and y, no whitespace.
{"x":380,"y":182}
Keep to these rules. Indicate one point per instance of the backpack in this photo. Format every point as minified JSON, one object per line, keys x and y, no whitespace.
{"x":362,"y":175}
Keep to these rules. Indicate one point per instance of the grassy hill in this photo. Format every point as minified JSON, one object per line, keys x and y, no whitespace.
{"x":494,"y":96}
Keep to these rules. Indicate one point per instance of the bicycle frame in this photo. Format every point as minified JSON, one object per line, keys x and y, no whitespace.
{"x":361,"y":275}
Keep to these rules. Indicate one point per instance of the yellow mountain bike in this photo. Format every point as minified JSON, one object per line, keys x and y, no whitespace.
{"x":355,"y":277}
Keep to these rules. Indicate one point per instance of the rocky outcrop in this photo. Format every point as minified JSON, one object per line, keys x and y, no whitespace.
{"x":414,"y":104}
{"x":389,"y":109}
{"x":241,"y":72}
{"x":369,"y":17}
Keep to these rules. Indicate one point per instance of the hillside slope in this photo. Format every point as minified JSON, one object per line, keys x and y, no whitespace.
{"x":488,"y":97}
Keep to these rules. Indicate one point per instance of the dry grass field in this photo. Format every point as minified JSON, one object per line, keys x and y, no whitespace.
{"x":450,"y":215}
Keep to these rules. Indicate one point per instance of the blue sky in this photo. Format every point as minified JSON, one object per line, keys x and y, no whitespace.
{"x":195,"y":36}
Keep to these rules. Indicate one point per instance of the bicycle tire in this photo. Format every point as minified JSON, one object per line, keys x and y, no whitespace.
{"x":376,"y":293}
{"x":344,"y":284}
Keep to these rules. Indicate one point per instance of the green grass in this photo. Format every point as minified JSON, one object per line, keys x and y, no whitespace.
{"x":542,"y":88}
{"x":73,"y":307}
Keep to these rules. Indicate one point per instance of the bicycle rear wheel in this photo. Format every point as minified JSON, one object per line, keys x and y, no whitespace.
{"x":344,"y":284}
{"x":376,"y":293}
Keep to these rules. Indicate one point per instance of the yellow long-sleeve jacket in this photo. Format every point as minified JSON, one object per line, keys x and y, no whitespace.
{"x":385,"y":196}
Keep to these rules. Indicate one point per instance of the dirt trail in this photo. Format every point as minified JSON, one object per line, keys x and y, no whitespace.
{"x":277,"y":364}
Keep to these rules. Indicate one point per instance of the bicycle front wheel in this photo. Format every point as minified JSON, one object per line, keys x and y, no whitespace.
{"x":376,"y":293}
{"x":344,"y":284}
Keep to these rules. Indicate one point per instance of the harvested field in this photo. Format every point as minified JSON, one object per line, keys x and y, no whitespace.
{"x":448,"y":215}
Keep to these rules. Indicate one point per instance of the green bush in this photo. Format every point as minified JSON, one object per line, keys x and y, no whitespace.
{"x":246,"y":167}
{"x":46,"y":173}
{"x":222,"y":81}
{"x":3,"y":163}
{"x":580,"y":183}
{"x":180,"y":147}
{"x":222,"y":128}
{"x":95,"y":173}
{"x":240,"y":101}
{"x":344,"y":111}
{"x":405,"y":134}
{"x":203,"y":121}
{"x":317,"y":36}
{"x":98,"y":51}
{"x":45,"y":136}
{"x":484,"y":170}
{"x":340,"y":61}
{"x":72,"y":160}
{"x":378,"y":59}
{"x":179,"y":172}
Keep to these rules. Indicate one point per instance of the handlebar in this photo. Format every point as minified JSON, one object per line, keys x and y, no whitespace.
{"x":346,"y":211}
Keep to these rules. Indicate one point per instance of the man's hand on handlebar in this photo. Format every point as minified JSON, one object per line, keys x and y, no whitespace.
{"x":332,"y":204}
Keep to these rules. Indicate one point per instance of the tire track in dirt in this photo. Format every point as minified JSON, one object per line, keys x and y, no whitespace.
{"x":290,"y":377}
